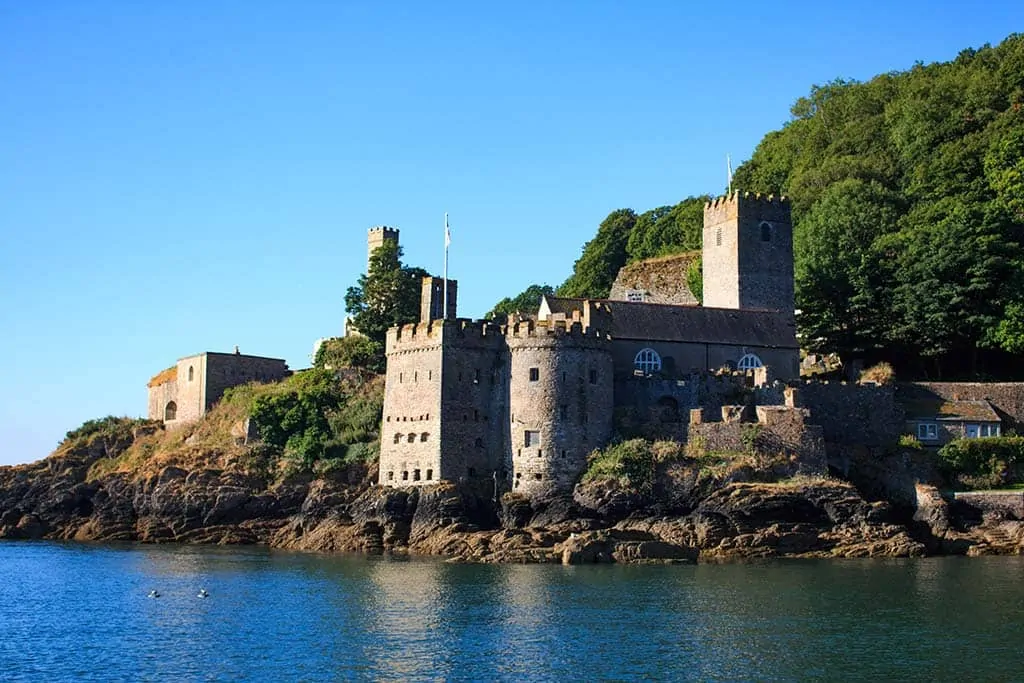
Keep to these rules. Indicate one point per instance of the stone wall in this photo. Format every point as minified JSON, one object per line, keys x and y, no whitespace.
{"x":658,"y":280}
{"x":474,"y":401}
{"x":560,"y":391}
{"x":1002,"y":503}
{"x":854,"y":414}
{"x":680,"y":359}
{"x":410,"y":447}
{"x":742,"y":269}
{"x":773,"y":431}
{"x":191,"y":391}
{"x":226,"y":370}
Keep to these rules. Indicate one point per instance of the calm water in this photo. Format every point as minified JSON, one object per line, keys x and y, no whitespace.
{"x":81,"y":612}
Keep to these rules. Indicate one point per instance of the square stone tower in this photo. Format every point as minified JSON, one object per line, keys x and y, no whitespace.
{"x":748,"y":253}
{"x":432,"y":301}
{"x":376,"y":237}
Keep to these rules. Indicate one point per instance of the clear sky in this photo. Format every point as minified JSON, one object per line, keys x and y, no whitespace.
{"x":185,"y":177}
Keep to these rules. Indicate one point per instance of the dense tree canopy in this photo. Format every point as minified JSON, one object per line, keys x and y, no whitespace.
{"x":387,"y":295}
{"x":526,"y":301}
{"x":908,"y":199}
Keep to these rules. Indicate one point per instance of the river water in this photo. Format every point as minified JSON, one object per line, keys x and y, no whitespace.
{"x":81,"y":612}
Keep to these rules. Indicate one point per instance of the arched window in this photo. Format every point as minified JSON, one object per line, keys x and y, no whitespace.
{"x":191,"y":373}
{"x":648,"y":361}
{"x":170,"y":411}
{"x":398,"y":438}
{"x":749,"y":362}
{"x":423,"y":436}
{"x":412,"y":437}
{"x":766,"y":231}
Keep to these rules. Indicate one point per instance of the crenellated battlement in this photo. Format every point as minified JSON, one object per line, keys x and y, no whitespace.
{"x":384,"y":231}
{"x":738,"y":197}
{"x":554,"y":332}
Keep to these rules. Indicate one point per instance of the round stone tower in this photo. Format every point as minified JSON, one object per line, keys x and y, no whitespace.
{"x":560,"y":403}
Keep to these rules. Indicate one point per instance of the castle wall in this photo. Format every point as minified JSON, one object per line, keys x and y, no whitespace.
{"x":191,"y":389}
{"x":159,"y":396}
{"x":561,"y":399}
{"x":226,"y":370}
{"x":474,"y":401}
{"x":680,"y":359}
{"x":410,"y":448}
{"x":748,"y":253}
{"x":853,"y":414}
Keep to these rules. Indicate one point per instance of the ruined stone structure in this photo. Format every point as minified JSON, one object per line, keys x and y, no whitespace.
{"x":524,"y":404}
{"x":656,"y":281}
{"x":186,"y":391}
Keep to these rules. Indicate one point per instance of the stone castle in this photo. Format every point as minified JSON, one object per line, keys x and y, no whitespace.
{"x":524,"y":404}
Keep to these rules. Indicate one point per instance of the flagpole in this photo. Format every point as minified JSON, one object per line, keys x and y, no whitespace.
{"x":728,"y":172}
{"x":444,"y":311}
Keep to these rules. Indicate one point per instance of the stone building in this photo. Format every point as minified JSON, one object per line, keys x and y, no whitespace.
{"x":525,"y":403}
{"x":187,"y":390}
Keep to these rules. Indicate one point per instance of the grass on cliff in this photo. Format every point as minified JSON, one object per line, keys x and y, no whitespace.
{"x":315,"y":421}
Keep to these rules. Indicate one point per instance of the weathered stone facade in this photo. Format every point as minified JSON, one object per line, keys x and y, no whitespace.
{"x":656,"y":281}
{"x":187,"y":391}
{"x":525,"y":404}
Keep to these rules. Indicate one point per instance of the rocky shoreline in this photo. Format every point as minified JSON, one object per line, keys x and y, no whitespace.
{"x":688,"y":518}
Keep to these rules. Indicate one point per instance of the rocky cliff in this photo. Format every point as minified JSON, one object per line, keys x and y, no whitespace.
{"x":688,"y":517}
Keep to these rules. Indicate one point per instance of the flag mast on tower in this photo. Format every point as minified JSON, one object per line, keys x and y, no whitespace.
{"x":728,"y":171}
{"x":444,"y":275}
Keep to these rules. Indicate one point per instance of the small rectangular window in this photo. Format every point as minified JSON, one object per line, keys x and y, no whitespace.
{"x":534,"y":374}
{"x":430,"y":475}
{"x":415,"y":475}
{"x":593,"y":376}
{"x":531,"y":438}
{"x":927,"y":431}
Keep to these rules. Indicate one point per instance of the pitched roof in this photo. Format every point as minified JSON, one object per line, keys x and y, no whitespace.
{"x":939,"y":409}
{"x":662,"y":322}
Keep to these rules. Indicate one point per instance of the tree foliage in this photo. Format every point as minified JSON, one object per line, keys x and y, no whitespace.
{"x":354,"y":351}
{"x":387,"y":295}
{"x":526,"y":301}
{"x":908,"y":203}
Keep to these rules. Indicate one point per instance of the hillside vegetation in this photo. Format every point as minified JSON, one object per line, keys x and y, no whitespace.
{"x":908,"y":208}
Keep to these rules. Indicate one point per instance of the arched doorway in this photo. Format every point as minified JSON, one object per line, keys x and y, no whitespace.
{"x":170,"y":411}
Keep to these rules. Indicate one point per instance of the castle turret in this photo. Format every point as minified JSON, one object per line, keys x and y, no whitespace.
{"x":376,"y":238}
{"x":560,"y":403}
{"x":748,"y":253}
{"x":432,"y":299}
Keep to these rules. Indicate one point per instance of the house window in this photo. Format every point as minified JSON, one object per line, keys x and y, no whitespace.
{"x":766,"y":231}
{"x":171,"y":411}
{"x":990,"y":430}
{"x":531,"y":438}
{"x":405,"y":475}
{"x":647,"y":361}
{"x":398,"y":438}
{"x":927,"y":431}
{"x":412,"y":437}
{"x":191,"y":373}
{"x":749,"y":362}
{"x":430,"y":475}
{"x":423,"y":436}
{"x":391,"y":476}
{"x":635,"y":295}
{"x":593,"y":376}
{"x":415,"y":475}
{"x":534,"y":374}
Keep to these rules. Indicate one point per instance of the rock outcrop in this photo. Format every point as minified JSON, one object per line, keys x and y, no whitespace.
{"x":686,"y":517}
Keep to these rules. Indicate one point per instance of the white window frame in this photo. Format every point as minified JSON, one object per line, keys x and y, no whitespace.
{"x":749,"y":361}
{"x":927,"y":431}
{"x":647,"y":360}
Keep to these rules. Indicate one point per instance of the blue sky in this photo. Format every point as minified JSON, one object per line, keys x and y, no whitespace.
{"x":184,"y":177}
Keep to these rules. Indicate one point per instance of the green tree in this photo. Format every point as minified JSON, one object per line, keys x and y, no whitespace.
{"x":387,"y":295}
{"x":603,"y":256}
{"x":354,"y":351}
{"x":526,"y":301}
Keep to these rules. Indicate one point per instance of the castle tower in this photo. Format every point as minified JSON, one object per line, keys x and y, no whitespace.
{"x":748,"y":253}
{"x":376,"y":238}
{"x":432,"y":299}
{"x":560,"y":403}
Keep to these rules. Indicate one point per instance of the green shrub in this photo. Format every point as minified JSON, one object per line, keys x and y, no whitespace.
{"x":355,"y":351}
{"x":632,"y":463}
{"x":910,"y":441}
{"x":110,"y":427}
{"x":983,"y":463}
